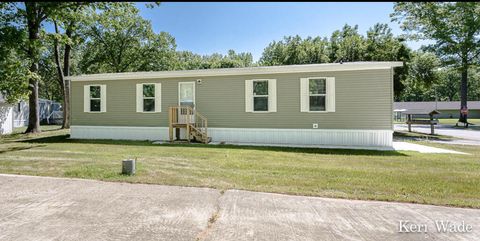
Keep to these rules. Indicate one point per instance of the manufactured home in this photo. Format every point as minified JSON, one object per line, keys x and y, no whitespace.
{"x":6,"y":116}
{"x":16,"y":114}
{"x":50,"y":112}
{"x":338,"y":104}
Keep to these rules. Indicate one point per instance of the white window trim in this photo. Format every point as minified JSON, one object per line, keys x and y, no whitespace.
{"x":157,"y":99}
{"x":90,"y":99}
{"x":308,"y":97}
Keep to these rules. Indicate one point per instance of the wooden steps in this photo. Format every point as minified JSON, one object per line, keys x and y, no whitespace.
{"x":198,"y":135}
{"x":195,"y":124}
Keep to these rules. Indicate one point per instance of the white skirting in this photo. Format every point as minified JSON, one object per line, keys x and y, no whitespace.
{"x":337,"y":137}
{"x":119,"y":132}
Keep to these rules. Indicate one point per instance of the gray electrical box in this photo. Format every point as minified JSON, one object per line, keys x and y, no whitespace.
{"x":128,"y":167}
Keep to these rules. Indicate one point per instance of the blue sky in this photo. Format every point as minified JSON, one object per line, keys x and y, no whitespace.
{"x":205,"y":28}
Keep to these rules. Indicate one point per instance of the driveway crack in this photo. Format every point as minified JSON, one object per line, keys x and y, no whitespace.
{"x":212,"y":220}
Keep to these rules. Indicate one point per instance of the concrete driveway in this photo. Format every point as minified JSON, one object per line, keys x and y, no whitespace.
{"x":41,"y":208}
{"x":447,"y":130}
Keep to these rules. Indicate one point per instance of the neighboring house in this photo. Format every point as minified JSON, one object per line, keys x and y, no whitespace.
{"x":20,"y":114}
{"x":6,"y":116}
{"x":347,"y":104}
{"x":50,"y":112}
{"x":16,"y":115}
{"x":447,"y":109}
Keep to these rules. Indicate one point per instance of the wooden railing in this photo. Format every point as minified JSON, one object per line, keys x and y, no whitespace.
{"x":201,"y":123}
{"x":192,"y":120}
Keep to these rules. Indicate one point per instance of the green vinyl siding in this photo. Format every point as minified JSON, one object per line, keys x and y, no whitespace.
{"x":363,"y":101}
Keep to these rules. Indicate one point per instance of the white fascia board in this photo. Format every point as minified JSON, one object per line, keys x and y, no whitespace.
{"x":238,"y":71}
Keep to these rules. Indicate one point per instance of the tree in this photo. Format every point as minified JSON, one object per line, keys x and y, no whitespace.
{"x":71,"y":18}
{"x":29,"y":18}
{"x":454,"y":26}
{"x":422,"y":76}
{"x":35,"y":13}
{"x":295,"y":50}
{"x":120,"y":40}
{"x":186,"y":60}
{"x":49,"y":87}
{"x":14,"y":76}
{"x":14,"y":70}
{"x":272,"y":54}
{"x":381,"y":45}
{"x":231,"y":60}
{"x":448,"y":85}
{"x":423,"y":68}
{"x":347,"y":45}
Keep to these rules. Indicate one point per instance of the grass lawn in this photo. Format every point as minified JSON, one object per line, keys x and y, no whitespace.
{"x":453,"y":121}
{"x":441,"y":179}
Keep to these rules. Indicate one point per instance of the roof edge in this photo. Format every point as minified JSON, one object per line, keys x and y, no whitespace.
{"x":238,"y":71}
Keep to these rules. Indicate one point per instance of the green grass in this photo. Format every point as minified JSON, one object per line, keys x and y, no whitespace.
{"x":453,"y":121}
{"x":440,"y":179}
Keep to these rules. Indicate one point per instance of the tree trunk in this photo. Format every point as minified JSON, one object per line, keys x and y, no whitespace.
{"x":66,"y":72}
{"x":33,"y":113}
{"x":64,"y":86}
{"x":61,"y":79}
{"x":463,"y":94}
{"x":33,"y":23}
{"x":66,"y":104}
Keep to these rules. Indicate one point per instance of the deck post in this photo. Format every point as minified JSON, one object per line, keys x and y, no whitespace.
{"x":409,"y":119}
{"x":170,"y":124}
{"x":206,"y":132}
{"x":432,"y":128}
{"x":188,"y":132}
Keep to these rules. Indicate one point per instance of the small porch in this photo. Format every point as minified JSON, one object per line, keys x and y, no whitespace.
{"x":194,"y":124}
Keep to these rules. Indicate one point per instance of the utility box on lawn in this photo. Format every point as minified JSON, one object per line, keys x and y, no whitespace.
{"x":128,"y":167}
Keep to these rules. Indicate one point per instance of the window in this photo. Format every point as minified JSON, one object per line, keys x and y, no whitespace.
{"x":317,"y":94}
{"x":149,"y":97}
{"x":260,"y":95}
{"x":95,"y":98}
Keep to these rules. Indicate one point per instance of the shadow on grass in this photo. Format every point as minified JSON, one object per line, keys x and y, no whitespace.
{"x":332,"y":151}
{"x":309,"y":150}
{"x":401,"y":135}
{"x":19,"y":148}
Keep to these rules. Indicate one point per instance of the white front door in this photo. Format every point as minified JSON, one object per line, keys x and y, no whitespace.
{"x":186,"y":97}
